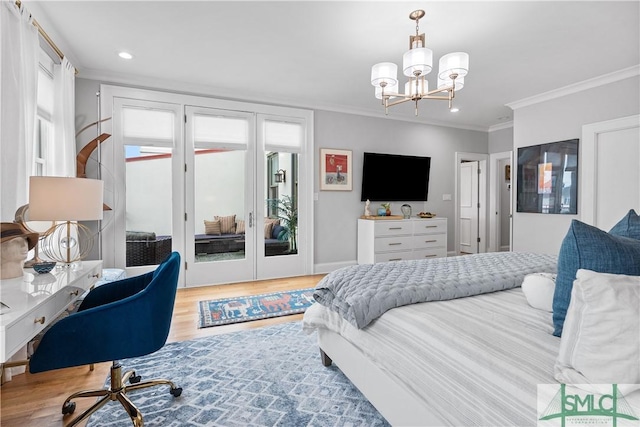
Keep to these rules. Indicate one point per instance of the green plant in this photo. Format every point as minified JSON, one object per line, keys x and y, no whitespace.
{"x":386,"y":205}
{"x":287,"y":212}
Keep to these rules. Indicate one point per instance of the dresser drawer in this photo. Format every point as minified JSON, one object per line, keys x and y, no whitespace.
{"x":393,"y":228}
{"x":430,"y":253}
{"x":394,"y":256}
{"x":429,"y":241}
{"x":394,"y":243}
{"x":430,"y":226}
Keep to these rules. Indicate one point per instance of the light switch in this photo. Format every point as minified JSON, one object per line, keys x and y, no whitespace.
{"x":315,"y":197}
{"x":446,"y":197}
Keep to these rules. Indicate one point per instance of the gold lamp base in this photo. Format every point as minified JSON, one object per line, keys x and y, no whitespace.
{"x":116,"y":391}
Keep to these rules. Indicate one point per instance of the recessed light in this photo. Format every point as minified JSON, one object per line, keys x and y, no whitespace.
{"x":454,"y":110}
{"x":125,"y":55}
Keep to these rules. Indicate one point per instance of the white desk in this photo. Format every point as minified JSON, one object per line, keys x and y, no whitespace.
{"x":35,"y":300}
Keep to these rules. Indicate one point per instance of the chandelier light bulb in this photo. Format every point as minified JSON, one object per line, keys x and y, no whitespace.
{"x":410,"y":87}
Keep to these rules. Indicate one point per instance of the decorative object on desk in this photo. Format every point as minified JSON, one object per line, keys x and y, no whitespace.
{"x":382,"y":212}
{"x":272,"y":365}
{"x":44,"y":267}
{"x":335,"y":170}
{"x":387,"y":208}
{"x":426,"y":215}
{"x":40,"y":227}
{"x":68,"y":200}
{"x":15,"y":242}
{"x":406,"y":211}
{"x":255,"y":307}
{"x":367,"y":208}
{"x":417,"y":62}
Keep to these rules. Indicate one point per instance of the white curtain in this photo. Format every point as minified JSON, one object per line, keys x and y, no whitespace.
{"x":63,"y":155}
{"x":18,"y":99}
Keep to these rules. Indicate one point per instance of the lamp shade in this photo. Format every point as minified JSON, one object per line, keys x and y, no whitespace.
{"x":384,"y":72}
{"x":454,"y":62}
{"x":447,"y":82}
{"x":387,"y":90}
{"x":53,"y":198}
{"x":410,"y":87}
{"x":417,"y":61}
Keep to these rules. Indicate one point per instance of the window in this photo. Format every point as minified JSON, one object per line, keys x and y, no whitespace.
{"x":43,"y":135}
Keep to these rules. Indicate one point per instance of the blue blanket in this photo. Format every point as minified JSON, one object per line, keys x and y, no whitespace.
{"x":362,"y":293}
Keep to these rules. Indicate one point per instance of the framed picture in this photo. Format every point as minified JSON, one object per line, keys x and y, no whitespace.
{"x":336,"y":170}
{"x":507,"y":173}
{"x":547,"y":180}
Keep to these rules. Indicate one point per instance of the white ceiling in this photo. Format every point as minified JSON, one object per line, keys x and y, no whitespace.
{"x":319,"y":54}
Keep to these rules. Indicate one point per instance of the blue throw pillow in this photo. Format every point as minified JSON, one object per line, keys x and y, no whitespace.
{"x":277,"y":229}
{"x":629,"y":226}
{"x":590,"y":248}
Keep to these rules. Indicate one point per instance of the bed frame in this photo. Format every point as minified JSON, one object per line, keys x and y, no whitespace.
{"x":397,"y":404}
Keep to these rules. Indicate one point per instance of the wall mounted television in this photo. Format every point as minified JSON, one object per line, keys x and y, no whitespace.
{"x":395,"y":178}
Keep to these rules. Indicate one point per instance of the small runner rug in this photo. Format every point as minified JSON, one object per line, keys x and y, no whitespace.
{"x":244,"y":309}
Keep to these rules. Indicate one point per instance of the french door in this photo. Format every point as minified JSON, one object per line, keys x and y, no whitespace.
{"x":218,"y":181}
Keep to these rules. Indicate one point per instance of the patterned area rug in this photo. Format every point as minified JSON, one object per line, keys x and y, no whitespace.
{"x":269,"y":376}
{"x":243,"y":309}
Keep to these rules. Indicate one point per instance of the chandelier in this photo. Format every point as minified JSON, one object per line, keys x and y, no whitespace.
{"x":417,"y":62}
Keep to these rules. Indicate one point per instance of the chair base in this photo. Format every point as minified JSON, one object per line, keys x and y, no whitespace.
{"x":116,"y":391}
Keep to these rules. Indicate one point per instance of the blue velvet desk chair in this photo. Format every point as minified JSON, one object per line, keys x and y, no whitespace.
{"x":118,"y":320}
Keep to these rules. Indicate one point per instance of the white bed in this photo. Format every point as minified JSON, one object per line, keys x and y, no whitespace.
{"x":464,"y":362}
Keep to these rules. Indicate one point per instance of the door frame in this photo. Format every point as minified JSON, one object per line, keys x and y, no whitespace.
{"x":306,"y":164}
{"x":495,"y":200}
{"x":482,"y":160}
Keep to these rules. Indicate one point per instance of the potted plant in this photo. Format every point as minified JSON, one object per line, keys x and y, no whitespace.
{"x":287,"y":212}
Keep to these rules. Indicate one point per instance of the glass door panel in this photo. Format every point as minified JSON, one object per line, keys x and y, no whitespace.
{"x":220,"y":227}
{"x":148,"y":205}
{"x":281,"y":223}
{"x":219,"y":189}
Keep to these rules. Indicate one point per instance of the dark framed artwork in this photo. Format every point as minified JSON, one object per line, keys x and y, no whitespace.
{"x":548,"y":178}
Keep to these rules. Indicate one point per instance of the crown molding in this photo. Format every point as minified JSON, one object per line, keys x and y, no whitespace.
{"x":602,"y":80}
{"x":505,"y":125}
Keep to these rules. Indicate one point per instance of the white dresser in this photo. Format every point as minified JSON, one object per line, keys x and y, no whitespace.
{"x":394,"y":240}
{"x":35,"y":300}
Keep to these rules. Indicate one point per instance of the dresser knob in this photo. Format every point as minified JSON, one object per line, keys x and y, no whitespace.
{"x":39,"y":320}
{"x":97,"y":275}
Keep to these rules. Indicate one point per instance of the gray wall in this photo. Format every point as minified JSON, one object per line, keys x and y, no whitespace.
{"x":501,"y":140}
{"x":556,"y":120}
{"x":336,"y":211}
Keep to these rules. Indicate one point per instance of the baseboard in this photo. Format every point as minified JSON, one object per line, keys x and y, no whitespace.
{"x":331,"y":266}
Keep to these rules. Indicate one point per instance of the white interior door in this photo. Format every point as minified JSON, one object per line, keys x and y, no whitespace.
{"x":609,"y":174}
{"x":468,"y":208}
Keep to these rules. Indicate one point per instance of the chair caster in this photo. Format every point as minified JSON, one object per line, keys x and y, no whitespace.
{"x":134,"y":379}
{"x":68,"y":408}
{"x":175,"y":392}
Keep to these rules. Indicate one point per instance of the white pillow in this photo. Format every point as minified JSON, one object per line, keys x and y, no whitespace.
{"x":600,"y":341}
{"x":538,"y":288}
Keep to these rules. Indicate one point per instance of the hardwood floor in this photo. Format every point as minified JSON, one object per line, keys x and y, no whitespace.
{"x":35,"y":400}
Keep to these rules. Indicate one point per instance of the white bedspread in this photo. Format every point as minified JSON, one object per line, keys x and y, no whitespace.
{"x":474,"y":361}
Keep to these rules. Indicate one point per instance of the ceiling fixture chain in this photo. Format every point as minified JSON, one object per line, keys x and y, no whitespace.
{"x":417,"y":62}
